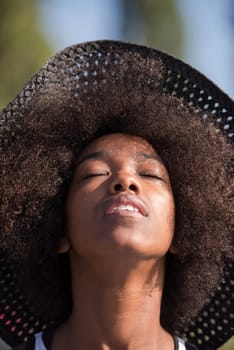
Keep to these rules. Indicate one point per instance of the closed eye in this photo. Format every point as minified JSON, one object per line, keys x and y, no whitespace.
{"x":151,"y":176}
{"x":87,"y":176}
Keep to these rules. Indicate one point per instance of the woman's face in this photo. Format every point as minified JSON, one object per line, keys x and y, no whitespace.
{"x":120,"y":199}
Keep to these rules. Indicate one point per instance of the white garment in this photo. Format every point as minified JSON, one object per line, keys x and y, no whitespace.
{"x":181,"y":344}
{"x":39,"y":344}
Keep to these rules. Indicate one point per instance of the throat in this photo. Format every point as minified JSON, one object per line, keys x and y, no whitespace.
{"x":118,"y":315}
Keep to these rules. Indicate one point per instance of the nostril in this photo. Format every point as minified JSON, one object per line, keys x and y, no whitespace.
{"x":118,"y":187}
{"x":133,"y":187}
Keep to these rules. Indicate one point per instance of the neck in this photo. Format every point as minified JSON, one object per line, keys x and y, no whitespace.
{"x":116,"y":309}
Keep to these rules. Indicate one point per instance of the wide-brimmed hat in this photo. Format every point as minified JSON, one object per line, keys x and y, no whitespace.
{"x":57,"y":112}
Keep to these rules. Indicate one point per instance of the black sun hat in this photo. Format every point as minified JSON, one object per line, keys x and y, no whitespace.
{"x":35,"y":124}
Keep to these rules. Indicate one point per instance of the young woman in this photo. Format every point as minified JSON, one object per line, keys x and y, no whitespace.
{"x":117,"y":204}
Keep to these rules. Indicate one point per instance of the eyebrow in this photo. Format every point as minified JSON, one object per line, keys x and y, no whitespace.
{"x":101,"y":154}
{"x":150,"y":156}
{"x":94,"y":155}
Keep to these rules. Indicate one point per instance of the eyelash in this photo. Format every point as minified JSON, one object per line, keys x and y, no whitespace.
{"x":153,"y":176}
{"x":94,"y":174}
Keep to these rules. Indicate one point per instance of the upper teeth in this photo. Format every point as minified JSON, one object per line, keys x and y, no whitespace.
{"x":125,"y":207}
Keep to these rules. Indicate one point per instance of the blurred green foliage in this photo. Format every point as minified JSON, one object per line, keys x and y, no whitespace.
{"x":156,"y":23}
{"x":23,"y":49}
{"x":229,"y":345}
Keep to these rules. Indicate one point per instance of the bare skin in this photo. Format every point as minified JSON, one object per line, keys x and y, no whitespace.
{"x":120,"y":214}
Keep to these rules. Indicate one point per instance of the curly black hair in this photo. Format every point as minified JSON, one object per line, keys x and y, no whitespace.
{"x":196,"y":154}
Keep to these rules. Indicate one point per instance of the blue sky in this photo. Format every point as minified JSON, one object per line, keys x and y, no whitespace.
{"x":209,"y":44}
{"x":67,"y":22}
{"x":210,"y":39}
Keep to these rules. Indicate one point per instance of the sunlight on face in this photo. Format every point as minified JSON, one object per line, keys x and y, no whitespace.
{"x":120,"y":199}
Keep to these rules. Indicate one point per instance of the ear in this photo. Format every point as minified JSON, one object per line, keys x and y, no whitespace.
{"x":172,"y":249}
{"x":64,"y":245}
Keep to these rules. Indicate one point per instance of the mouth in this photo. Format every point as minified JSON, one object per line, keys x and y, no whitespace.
{"x":125,"y":206}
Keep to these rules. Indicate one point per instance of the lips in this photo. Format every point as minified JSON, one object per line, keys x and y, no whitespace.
{"x":125,"y":204}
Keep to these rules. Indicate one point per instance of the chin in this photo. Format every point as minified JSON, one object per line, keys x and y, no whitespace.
{"x":122,"y":240}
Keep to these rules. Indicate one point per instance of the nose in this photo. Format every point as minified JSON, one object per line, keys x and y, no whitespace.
{"x":124,"y":182}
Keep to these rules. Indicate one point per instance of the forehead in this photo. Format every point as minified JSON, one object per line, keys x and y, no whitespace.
{"x":119,"y":141}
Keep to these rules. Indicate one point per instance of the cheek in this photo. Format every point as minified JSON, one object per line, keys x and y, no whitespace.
{"x":163,"y":201}
{"x":76,"y":208}
{"x":78,"y":222}
{"x":163,"y":224}
{"x":164,"y":212}
{"x":80,"y":209}
{"x":170,"y":205}
{"x":78,"y":197}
